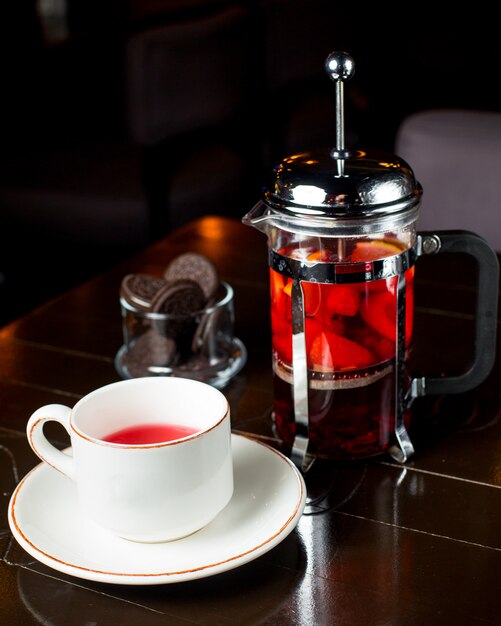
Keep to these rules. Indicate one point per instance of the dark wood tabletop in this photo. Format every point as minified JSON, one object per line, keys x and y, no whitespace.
{"x":379,"y":543}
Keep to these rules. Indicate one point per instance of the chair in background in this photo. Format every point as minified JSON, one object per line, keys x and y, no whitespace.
{"x":189,"y":88}
{"x":80,"y":189}
{"x":456,"y":156}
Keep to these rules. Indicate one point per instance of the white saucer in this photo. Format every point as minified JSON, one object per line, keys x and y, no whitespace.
{"x":268,"y":501}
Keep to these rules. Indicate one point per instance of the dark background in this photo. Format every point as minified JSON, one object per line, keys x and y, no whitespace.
{"x":81,"y":187}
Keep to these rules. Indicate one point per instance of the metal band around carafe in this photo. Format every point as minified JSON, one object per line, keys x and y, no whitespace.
{"x":342,"y":273}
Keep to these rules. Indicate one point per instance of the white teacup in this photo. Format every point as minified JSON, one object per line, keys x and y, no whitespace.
{"x":145,"y":492}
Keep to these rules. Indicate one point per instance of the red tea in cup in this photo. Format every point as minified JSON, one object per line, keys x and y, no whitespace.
{"x":141,"y":434}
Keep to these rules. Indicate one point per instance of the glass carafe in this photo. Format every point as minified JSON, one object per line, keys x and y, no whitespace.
{"x":342,"y":243}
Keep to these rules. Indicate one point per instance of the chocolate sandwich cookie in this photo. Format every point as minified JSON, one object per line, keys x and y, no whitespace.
{"x":195,"y":267}
{"x":140,"y":289}
{"x":179,"y":300}
{"x":151,"y":350}
{"x":208,"y":322}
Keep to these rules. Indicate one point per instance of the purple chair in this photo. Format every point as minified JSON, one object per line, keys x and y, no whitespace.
{"x":456,"y":156}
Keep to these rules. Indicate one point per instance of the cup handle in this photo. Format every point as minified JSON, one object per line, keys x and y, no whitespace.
{"x":485,"y":314}
{"x":57,"y":459}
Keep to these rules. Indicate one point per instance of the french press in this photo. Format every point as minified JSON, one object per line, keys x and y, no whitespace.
{"x":342,"y":244}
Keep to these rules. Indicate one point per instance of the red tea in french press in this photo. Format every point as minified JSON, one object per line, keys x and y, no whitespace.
{"x":342,"y":243}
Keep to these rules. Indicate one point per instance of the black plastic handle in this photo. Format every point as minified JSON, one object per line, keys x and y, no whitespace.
{"x":486,"y":309}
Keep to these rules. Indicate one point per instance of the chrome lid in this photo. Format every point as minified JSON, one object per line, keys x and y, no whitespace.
{"x":341,"y":183}
{"x":361,"y":184}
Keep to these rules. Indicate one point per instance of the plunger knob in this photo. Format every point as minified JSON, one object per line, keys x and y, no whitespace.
{"x":340,"y":66}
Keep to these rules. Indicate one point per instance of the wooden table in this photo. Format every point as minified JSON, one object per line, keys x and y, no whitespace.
{"x":379,"y":543}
